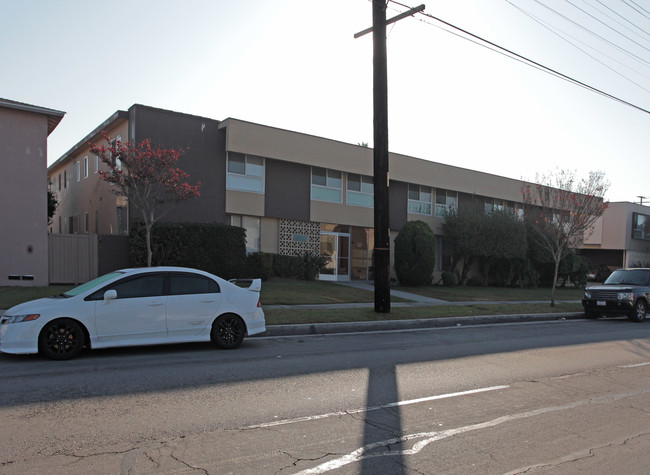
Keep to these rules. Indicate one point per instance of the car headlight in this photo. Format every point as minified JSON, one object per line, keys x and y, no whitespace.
{"x":587,"y":295}
{"x":625,"y":296}
{"x":20,"y":318}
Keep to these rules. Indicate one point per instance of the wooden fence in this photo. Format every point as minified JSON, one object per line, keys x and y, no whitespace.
{"x":78,"y":258}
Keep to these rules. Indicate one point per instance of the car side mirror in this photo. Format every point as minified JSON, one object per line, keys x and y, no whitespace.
{"x":110,"y":295}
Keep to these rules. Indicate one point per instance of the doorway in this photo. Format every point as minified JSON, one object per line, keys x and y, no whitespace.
{"x":335,"y":247}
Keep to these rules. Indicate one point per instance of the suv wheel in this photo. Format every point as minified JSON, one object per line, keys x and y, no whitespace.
{"x":639,"y":312}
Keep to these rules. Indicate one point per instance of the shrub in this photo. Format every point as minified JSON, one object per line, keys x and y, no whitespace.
{"x":216,"y":248}
{"x":260,"y":264}
{"x":449,"y":279}
{"x":415,"y":254}
{"x":312,"y":264}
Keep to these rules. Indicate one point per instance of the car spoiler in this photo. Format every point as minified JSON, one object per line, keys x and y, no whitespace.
{"x":255,"y":284}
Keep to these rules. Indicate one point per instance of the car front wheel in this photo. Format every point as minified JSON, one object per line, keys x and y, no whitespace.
{"x":61,"y":339}
{"x":228,"y":331}
{"x":639,"y":312}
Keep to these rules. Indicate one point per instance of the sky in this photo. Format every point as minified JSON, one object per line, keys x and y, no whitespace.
{"x":295,"y":64}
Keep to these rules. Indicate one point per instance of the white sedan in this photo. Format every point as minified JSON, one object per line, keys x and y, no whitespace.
{"x":129,"y":307}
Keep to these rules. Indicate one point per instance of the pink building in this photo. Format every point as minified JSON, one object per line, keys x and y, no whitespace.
{"x":24,"y":129}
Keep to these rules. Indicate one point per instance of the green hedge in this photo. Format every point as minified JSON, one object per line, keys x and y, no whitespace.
{"x":216,"y":248}
{"x":415,"y":254}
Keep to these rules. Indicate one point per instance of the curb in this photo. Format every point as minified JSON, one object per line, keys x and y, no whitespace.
{"x":412,"y":324}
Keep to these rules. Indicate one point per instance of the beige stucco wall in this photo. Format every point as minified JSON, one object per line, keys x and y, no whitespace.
{"x":270,"y":235}
{"x":241,"y":202}
{"x":339,"y":213}
{"x":255,"y":139}
{"x":23,"y":194}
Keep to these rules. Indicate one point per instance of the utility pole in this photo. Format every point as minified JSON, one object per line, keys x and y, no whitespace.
{"x":381,"y":250}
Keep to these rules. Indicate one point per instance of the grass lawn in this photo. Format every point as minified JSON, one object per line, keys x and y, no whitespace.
{"x":10,"y":296}
{"x":468,"y":294}
{"x":284,"y":316}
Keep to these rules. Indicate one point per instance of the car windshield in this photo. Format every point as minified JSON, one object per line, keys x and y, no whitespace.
{"x":630,"y":277}
{"x":89,"y":285}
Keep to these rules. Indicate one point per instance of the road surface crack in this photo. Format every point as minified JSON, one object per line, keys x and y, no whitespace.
{"x":297,"y":460}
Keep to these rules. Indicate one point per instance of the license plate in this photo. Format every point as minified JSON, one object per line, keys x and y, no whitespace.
{"x":601,"y":303}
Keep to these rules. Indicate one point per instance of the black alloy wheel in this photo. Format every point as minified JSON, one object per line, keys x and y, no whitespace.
{"x":228,"y":331}
{"x":61,"y":339}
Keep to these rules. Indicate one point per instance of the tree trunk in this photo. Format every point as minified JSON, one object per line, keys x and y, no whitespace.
{"x":149,"y":253}
{"x":557,"y":267}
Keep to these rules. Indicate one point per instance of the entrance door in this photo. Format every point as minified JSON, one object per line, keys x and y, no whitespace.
{"x":336,"y":248}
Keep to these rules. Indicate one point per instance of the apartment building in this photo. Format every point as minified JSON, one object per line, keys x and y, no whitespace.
{"x":24,"y":129}
{"x":621,"y":236}
{"x":292,"y":192}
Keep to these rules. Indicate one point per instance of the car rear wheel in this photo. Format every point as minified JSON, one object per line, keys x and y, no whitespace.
{"x":61,"y":339}
{"x":228,"y":331}
{"x":639,"y":312}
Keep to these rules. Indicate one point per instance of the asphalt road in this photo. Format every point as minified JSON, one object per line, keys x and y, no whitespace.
{"x":552,"y":397}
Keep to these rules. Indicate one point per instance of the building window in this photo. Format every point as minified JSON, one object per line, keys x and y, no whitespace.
{"x":419,"y":201}
{"x":515,"y":209}
{"x":245,"y":172}
{"x":640,"y":226}
{"x":78,"y":170}
{"x":86,"y":167}
{"x":96,"y":222}
{"x":86,"y":223}
{"x":360,"y":190}
{"x":65,"y":178}
{"x":326,"y":185}
{"x":253,"y":233}
{"x":493,"y":205}
{"x":446,"y":202}
{"x":96,"y":163}
{"x":59,"y":182}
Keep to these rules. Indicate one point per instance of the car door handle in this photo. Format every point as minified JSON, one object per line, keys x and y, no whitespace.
{"x":208,"y":301}
{"x":155,"y":304}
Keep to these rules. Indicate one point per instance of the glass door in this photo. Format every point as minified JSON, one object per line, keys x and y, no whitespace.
{"x":335,"y":247}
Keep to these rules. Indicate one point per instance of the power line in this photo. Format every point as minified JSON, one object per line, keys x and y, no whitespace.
{"x":621,"y":16}
{"x":555,"y":32}
{"x":601,"y":38}
{"x":511,"y":54}
{"x":605,"y":24}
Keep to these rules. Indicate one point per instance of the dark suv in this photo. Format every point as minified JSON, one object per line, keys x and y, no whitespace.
{"x":626,"y":291}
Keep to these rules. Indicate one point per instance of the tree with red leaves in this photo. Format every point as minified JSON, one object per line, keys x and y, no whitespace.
{"x":561,"y":209}
{"x":148,"y":177}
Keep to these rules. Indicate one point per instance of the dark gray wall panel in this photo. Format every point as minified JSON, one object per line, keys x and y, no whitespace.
{"x":287,"y":190}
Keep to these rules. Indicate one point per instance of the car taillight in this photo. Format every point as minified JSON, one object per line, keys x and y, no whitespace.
{"x":259,"y":304}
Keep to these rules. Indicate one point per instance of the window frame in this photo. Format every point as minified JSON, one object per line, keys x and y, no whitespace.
{"x":419,"y":202}
{"x":364,"y":195}
{"x":442,"y":209}
{"x":329,"y":185}
{"x":247,"y":175}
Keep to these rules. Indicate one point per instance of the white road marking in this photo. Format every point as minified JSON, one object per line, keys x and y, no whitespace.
{"x":429,"y":437}
{"x":635,"y":365}
{"x":374,"y":408}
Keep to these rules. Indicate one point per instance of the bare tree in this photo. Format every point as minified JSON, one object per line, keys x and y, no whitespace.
{"x":561,"y":209}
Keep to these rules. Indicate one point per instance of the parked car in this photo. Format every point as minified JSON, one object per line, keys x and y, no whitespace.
{"x":146,"y":306}
{"x":626,"y":291}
